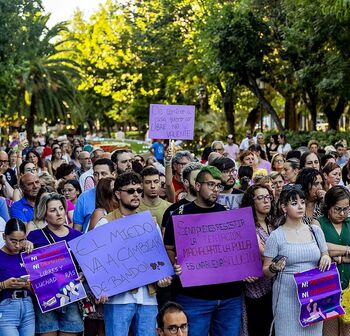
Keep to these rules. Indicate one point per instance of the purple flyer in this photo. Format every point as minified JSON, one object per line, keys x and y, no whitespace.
{"x":319,"y":294}
{"x":217,"y":247}
{"x":53,"y":276}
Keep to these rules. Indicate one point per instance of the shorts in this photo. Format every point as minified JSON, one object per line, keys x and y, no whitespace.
{"x":67,"y":319}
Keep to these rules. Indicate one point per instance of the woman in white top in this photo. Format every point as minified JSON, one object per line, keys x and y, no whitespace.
{"x":283,"y":147}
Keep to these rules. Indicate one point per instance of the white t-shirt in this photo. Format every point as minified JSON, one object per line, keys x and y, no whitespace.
{"x":2,"y":230}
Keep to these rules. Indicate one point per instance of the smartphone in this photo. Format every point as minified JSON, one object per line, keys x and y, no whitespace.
{"x":278,"y":258}
{"x":24,"y":278}
{"x":22,"y":136}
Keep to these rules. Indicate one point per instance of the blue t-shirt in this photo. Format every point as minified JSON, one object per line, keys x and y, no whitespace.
{"x":84,"y":207}
{"x":10,"y":266}
{"x":4,"y":212}
{"x":22,"y":210}
{"x":158,"y":150}
{"x":38,"y":238}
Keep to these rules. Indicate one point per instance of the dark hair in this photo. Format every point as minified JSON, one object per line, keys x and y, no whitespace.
{"x":304,"y":157}
{"x":74,"y":183}
{"x":339,"y":144}
{"x":333,"y":195}
{"x":118,"y":152}
{"x":205,"y":154}
{"x":63,"y":170}
{"x":344,"y":175}
{"x":149,"y":171}
{"x":125,"y":179}
{"x":40,"y":162}
{"x":54,"y":150}
{"x":284,"y":137}
{"x":257,"y":148}
{"x":294,"y":163}
{"x":293,"y":154}
{"x":289,"y":192}
{"x":73,"y":157}
{"x":325,"y":158}
{"x":306,"y":178}
{"x":105,"y":197}
{"x":107,"y":162}
{"x":245,"y":174}
{"x":13,"y":225}
{"x":22,"y":166}
{"x":169,"y":307}
{"x":248,"y":201}
{"x":223,"y":163}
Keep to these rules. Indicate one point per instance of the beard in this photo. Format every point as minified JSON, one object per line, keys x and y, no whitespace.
{"x":192,"y":190}
{"x":210,"y":201}
{"x":131,"y":206}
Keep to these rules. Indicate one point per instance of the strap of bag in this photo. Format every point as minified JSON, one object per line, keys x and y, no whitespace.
{"x":47,"y":235}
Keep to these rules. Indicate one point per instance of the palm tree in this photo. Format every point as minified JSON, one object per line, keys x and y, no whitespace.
{"x":46,"y":89}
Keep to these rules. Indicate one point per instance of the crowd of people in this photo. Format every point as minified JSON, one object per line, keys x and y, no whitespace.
{"x":58,"y":189}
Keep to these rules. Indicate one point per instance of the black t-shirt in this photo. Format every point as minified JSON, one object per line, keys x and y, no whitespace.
{"x":168,"y":212}
{"x":207,"y":292}
{"x":11,"y":177}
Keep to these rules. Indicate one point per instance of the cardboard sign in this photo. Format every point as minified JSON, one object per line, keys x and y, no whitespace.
{"x":124,"y":254}
{"x":53,"y":276}
{"x":217,"y":247}
{"x":319,"y":294}
{"x":171,"y":122}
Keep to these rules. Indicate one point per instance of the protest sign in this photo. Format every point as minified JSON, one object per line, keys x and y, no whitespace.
{"x":124,"y":254}
{"x":319,"y":295}
{"x":171,"y":122}
{"x":217,"y":247}
{"x":53,"y":276}
{"x":230,"y":201}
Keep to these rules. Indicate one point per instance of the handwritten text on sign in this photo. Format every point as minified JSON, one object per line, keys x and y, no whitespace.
{"x":53,"y":276}
{"x":217,"y":247}
{"x":231,"y":201}
{"x":171,"y":122}
{"x":122,"y":255}
{"x":319,"y":294}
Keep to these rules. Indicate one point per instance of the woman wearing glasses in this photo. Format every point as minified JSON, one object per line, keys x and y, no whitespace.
{"x":277,"y":163}
{"x":297,"y":247}
{"x":53,"y":212}
{"x":259,"y":293}
{"x":16,"y":307}
{"x":336,"y":227}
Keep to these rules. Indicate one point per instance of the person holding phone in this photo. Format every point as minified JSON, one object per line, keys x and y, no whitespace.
{"x":298,"y":247}
{"x":16,"y":307}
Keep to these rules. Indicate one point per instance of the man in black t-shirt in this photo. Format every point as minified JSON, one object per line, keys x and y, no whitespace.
{"x":211,"y":307}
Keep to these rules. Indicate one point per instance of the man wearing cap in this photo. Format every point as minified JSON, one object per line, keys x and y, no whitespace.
{"x":231,"y":148}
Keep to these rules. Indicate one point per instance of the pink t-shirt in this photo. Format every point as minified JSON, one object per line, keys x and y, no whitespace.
{"x":70,"y":207}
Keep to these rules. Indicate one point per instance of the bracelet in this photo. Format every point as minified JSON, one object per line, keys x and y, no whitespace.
{"x":273,"y":269}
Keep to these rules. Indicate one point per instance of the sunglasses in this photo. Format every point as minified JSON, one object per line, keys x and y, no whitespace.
{"x":132,"y":191}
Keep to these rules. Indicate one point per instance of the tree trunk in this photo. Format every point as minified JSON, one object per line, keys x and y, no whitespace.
{"x":253,"y":86}
{"x":228,"y":99}
{"x":30,"y":120}
{"x":333,"y":115}
{"x":311,"y":103}
{"x":290,"y":112}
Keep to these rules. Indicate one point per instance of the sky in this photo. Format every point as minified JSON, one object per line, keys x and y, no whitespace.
{"x":62,"y":10}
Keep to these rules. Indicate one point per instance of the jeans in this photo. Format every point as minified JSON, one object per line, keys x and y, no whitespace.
{"x":219,"y":317}
{"x":17,"y":317}
{"x":119,"y":317}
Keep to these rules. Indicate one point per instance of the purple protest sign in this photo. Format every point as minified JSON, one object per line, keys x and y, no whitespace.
{"x":217,"y":247}
{"x":171,"y":122}
{"x":124,"y":254}
{"x":319,"y":294}
{"x":53,"y":276}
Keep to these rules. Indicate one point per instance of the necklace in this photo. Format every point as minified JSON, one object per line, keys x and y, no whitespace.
{"x":297,"y":231}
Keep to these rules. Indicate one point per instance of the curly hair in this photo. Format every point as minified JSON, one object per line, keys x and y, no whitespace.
{"x":306,"y":178}
{"x":248,"y":201}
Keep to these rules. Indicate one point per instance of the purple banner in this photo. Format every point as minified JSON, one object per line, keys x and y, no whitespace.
{"x":230,"y":201}
{"x":124,"y":254}
{"x":217,"y":247}
{"x":319,"y":294}
{"x":171,"y":122}
{"x":53,"y":276}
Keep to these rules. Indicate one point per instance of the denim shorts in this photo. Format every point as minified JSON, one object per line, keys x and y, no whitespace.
{"x":66,"y":319}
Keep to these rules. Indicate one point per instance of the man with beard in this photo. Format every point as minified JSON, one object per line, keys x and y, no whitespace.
{"x":23,"y":209}
{"x":228,"y":174}
{"x":139,"y":305}
{"x":188,"y":177}
{"x":151,"y":200}
{"x":123,"y":160}
{"x":216,"y":308}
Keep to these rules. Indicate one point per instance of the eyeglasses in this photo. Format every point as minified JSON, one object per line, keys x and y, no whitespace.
{"x":218,"y":149}
{"x":229,"y":171}
{"x":14,"y":242}
{"x":339,"y":210}
{"x":132,"y":191}
{"x":174,"y":329}
{"x":213,"y":185}
{"x":268,"y":198}
{"x":3,"y":162}
{"x":279,"y":161}
{"x":32,"y":170}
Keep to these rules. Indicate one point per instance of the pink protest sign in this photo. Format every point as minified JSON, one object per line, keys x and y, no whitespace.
{"x":171,"y":122}
{"x":217,"y":247}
